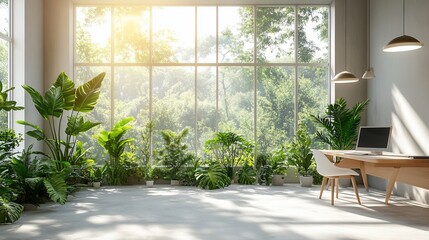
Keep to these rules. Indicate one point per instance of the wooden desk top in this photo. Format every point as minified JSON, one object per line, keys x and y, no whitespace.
{"x":387,"y":159}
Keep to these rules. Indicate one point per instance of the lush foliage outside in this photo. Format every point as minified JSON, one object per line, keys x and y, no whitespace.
{"x":164,"y":78}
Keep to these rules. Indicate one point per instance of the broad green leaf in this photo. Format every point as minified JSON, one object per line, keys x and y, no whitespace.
{"x":56,"y":188}
{"x":88,"y":93}
{"x":54,"y":101}
{"x":37,"y":133}
{"x":67,"y":89}
{"x":38,"y":100}
{"x":10,"y":211}
{"x":76,"y":125}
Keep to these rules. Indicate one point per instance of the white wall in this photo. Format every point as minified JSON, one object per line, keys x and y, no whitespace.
{"x":27,"y":61}
{"x":399,"y":93}
{"x":356,"y":48}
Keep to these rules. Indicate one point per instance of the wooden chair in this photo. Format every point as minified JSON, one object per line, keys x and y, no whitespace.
{"x":329,"y":171}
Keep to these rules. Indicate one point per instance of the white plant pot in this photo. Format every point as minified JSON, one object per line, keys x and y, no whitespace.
{"x":149,"y":183}
{"x":96,"y":184}
{"x":306,"y":181}
{"x":278,"y":180}
{"x":175,"y":183}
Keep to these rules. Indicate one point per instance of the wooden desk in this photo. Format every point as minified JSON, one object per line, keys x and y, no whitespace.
{"x":388,"y":166}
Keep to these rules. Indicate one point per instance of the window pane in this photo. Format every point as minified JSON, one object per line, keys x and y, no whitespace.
{"x":101,"y":112}
{"x":173,"y":96}
{"x":131,"y":90}
{"x":93,"y":34}
{"x":235,"y":34}
{"x":132,"y":34}
{"x":236,"y":100}
{"x":4,"y":77}
{"x":313,"y":34}
{"x":173,"y":39}
{"x":206,"y":105}
{"x":275,"y":27}
{"x":313,"y":87}
{"x":4,"y":19}
{"x":206,"y":34}
{"x":275,"y":111}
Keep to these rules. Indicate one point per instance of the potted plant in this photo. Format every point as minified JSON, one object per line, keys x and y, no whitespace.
{"x":230,"y":150}
{"x":263,"y":168}
{"x":173,"y":154}
{"x":97,"y":177}
{"x":300,"y":155}
{"x":340,"y":127}
{"x":114,"y":143}
{"x":149,"y":174}
{"x":279,"y":167}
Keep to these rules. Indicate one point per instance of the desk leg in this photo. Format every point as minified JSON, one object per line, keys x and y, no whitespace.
{"x":391,"y":183}
{"x":364,"y":177}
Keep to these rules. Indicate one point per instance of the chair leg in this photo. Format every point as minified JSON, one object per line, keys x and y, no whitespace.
{"x":328,"y":183}
{"x":332,"y":190}
{"x":337,"y":184}
{"x":355,"y":188}
{"x":323,"y":186}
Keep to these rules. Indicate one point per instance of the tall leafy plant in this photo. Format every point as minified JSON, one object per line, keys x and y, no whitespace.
{"x":299,"y":151}
{"x":340,"y":124}
{"x":62,"y":100}
{"x":114,"y":143}
{"x":9,"y":140}
{"x":174,"y":153}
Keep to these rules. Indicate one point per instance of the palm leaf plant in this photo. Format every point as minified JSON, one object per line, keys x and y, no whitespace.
{"x":64,"y":100}
{"x":114,"y":143}
{"x":340,"y":124}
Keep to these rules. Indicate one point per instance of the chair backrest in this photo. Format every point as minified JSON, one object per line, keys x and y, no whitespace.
{"x":327,"y":168}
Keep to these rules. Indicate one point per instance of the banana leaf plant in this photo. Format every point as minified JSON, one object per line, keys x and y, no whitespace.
{"x":114,"y":143}
{"x":64,"y":100}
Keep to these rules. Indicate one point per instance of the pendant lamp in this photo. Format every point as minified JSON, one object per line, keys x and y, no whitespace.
{"x":404,"y":42}
{"x":369,"y":73}
{"x":345,"y":76}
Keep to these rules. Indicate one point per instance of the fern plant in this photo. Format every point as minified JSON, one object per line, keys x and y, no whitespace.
{"x":340,"y":124}
{"x":212,"y":177}
{"x":37,"y":177}
{"x":174,"y":153}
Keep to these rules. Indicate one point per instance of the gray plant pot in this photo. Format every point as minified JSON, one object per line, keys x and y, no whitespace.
{"x":278,"y":180}
{"x":149,"y":183}
{"x":306,"y":181}
{"x":96,"y":184}
{"x":175,"y":183}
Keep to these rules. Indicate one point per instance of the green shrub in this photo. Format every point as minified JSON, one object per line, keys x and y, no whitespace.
{"x":212,"y":177}
{"x":246,"y":175}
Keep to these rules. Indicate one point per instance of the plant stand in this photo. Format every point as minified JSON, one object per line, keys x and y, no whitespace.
{"x":306,"y":181}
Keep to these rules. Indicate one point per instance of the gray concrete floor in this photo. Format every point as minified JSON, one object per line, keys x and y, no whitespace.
{"x":237,"y":212}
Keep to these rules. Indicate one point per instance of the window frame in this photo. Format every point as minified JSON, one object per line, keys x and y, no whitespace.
{"x":255,"y":64}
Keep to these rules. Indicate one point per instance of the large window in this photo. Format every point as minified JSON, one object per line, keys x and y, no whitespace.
{"x":255,"y":70}
{"x":5,"y":40}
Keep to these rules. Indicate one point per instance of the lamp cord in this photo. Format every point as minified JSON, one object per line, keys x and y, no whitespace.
{"x":403,"y":17}
{"x":345,"y":32}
